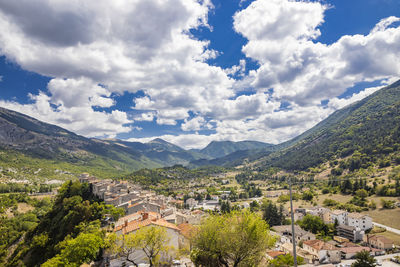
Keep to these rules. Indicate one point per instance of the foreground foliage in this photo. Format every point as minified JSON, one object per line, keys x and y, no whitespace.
{"x":69,"y":234}
{"x":232,"y":239}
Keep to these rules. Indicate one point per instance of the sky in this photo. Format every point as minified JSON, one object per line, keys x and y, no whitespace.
{"x":194,"y":71}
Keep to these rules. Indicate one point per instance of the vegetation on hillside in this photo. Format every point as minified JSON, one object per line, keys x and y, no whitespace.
{"x":233,"y":239}
{"x":69,"y":233}
{"x":363,"y":134}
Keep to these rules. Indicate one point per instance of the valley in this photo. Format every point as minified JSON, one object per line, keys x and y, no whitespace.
{"x":347,"y":165}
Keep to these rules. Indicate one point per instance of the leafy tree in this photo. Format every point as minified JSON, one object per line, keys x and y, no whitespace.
{"x":153,"y":241}
{"x":388,"y":204}
{"x":82,"y":249}
{"x":364,"y":259}
{"x":307,"y":195}
{"x":225,"y":206}
{"x":314,"y":224}
{"x":254,"y":206}
{"x":285,"y":261}
{"x":233,"y":239}
{"x":362,"y":194}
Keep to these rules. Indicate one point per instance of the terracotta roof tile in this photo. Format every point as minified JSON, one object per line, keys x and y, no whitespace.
{"x":137,"y":224}
{"x":187,"y":230}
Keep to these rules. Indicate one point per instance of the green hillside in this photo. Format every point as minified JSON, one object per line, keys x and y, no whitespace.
{"x":367,"y":131}
{"x":218,"y":149}
{"x":30,"y":149}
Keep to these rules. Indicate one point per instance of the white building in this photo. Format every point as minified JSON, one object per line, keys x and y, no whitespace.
{"x":339,"y":215}
{"x":191,"y":202}
{"x":358,"y":220}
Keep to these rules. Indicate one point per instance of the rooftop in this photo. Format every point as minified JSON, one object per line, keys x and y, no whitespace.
{"x":319,"y":245}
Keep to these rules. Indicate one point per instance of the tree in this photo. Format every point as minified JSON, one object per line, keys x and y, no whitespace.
{"x":307,"y":195}
{"x":285,"y":261}
{"x":314,"y":224}
{"x":362,"y":193}
{"x":364,"y":259}
{"x":271,"y":214}
{"x":388,"y":204}
{"x":152,"y":240}
{"x":82,"y":249}
{"x":239,"y":238}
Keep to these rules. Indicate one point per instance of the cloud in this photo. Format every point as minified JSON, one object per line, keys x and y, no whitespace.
{"x":94,"y":50}
{"x":78,"y":93}
{"x":73,"y":111}
{"x":305,"y":71}
{"x":195,"y":124}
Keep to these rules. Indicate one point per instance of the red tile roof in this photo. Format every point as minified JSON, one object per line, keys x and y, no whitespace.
{"x":319,"y":245}
{"x":137,"y":224}
{"x":187,"y":230}
{"x":274,"y":254}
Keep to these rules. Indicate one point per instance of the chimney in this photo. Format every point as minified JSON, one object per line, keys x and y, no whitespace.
{"x":145,"y":216}
{"x":126,"y":223}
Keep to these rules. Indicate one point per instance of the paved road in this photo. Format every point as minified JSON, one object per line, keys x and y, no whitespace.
{"x":385,"y":260}
{"x":394,"y":230}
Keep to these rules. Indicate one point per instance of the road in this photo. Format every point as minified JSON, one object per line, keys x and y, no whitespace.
{"x":394,"y":230}
{"x":385,"y":260}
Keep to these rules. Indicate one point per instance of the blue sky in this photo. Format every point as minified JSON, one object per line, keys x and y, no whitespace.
{"x":192,"y":72}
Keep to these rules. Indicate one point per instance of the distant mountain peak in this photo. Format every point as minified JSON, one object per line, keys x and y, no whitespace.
{"x":159,"y":140}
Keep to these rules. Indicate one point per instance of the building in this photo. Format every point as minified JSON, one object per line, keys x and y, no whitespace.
{"x":350,"y":252}
{"x":378,"y":241}
{"x":146,"y":221}
{"x":339,"y":215}
{"x":274,"y":254}
{"x":323,"y":252}
{"x":285,"y":232}
{"x":358,"y":220}
{"x":350,"y":232}
{"x":136,"y":216}
{"x":191,"y":202}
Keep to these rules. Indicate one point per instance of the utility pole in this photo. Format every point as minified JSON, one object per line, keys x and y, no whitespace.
{"x":292,"y":217}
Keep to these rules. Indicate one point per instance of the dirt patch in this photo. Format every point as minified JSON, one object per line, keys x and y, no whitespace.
{"x":23,"y":207}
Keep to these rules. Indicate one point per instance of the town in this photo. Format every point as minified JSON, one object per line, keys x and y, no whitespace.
{"x":180,"y":216}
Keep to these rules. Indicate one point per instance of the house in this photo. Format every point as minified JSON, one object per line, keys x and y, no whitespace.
{"x":323,"y":252}
{"x":378,"y":241}
{"x":298,"y":216}
{"x":339,"y":215}
{"x":350,"y":232}
{"x":350,"y":252}
{"x":136,"y":216}
{"x":191,"y":202}
{"x":321,"y":212}
{"x":285,"y":231}
{"x":146,"y":221}
{"x":288,"y":248}
{"x":274,"y":254}
{"x":358,"y":220}
{"x":187,"y":231}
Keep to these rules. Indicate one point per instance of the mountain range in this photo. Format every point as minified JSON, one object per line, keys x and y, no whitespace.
{"x":21,"y":135}
{"x":368,"y":127}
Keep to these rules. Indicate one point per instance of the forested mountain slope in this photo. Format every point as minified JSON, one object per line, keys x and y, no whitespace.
{"x":368,"y":129}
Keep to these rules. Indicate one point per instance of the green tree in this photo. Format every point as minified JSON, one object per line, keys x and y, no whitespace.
{"x":364,"y":259}
{"x":388,"y":204}
{"x":233,"y":239}
{"x":152,"y":240}
{"x":362,"y":194}
{"x":82,"y":249}
{"x":271,"y":214}
{"x":307,"y":195}
{"x":314,"y":224}
{"x":285,"y":261}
